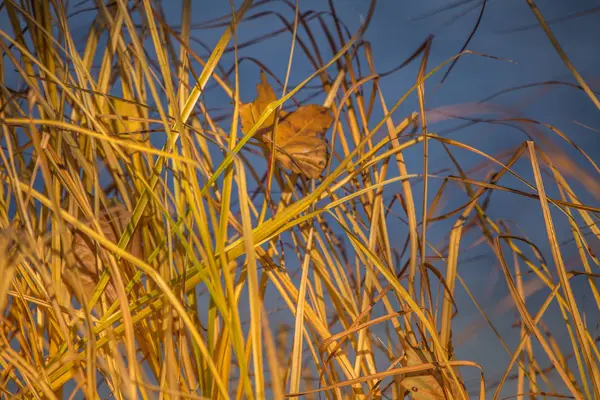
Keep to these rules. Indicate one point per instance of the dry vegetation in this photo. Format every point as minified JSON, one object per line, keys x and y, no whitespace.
{"x":134,"y":271}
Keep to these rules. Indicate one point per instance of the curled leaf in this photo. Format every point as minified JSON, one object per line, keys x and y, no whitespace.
{"x":250,"y":112}
{"x":424,"y":385}
{"x":86,"y":271}
{"x":124,"y":116}
{"x":300,"y":137}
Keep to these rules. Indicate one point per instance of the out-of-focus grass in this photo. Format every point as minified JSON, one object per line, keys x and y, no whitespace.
{"x":130,"y":270}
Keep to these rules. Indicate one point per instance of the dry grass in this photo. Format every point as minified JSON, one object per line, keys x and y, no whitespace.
{"x":134,"y":272}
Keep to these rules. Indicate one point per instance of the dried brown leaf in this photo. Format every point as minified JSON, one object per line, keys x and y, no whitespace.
{"x":300,"y":137}
{"x":112,"y":222}
{"x":425,"y":385}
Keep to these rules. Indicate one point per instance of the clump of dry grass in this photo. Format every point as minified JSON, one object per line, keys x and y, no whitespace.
{"x":142,"y":272}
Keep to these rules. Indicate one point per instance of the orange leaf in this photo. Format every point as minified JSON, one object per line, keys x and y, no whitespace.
{"x":250,"y":112}
{"x":112,"y":222}
{"x":300,"y":137}
{"x":425,"y":384}
{"x":124,"y":115}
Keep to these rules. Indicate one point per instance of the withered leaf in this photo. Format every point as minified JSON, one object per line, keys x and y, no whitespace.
{"x":126,"y":116}
{"x":250,"y":112}
{"x":86,"y":271}
{"x":424,"y":385}
{"x":300,"y":137}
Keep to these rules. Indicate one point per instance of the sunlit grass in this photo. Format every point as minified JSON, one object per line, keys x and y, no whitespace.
{"x":150,"y":249}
